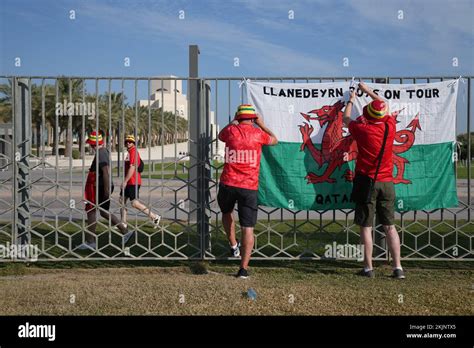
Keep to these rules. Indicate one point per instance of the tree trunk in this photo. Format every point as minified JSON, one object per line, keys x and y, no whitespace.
{"x":79,"y":142}
{"x":55,"y":140}
{"x":38,"y":138}
{"x":68,"y":140}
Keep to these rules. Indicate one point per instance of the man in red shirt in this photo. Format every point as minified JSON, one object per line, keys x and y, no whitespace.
{"x":239,"y":179}
{"x":130,"y":187}
{"x":368,"y":131}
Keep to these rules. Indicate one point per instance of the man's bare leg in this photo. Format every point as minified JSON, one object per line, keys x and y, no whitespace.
{"x":393,"y":241}
{"x":247,"y":246}
{"x":229,"y":227}
{"x":366,"y":239}
{"x":114,"y":220}
{"x":91,"y":226}
{"x":123,"y":210}
{"x":140,"y":206}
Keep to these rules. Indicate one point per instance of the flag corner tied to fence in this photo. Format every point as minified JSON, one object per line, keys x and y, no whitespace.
{"x":312,"y":165}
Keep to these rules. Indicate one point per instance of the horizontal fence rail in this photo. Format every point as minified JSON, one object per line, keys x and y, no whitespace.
{"x":44,"y":164}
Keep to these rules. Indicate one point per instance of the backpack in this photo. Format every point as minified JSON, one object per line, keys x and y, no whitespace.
{"x":141,"y":166}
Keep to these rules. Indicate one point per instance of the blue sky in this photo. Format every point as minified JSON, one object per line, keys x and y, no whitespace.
{"x":259,"y":32}
{"x":368,"y":32}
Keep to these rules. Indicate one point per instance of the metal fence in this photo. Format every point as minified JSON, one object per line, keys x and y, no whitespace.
{"x":44,"y":162}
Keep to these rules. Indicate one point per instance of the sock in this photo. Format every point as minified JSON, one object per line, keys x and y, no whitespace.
{"x":235,"y":246}
{"x":395,"y":268}
{"x":367,"y":269}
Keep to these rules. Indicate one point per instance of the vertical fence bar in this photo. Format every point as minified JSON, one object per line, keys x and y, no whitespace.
{"x":43,"y":154}
{"x":70,"y":144}
{"x":13,"y":162}
{"x":21,"y":104}
{"x":43,"y":122}
{"x":229,"y":97}
{"x":56,"y":139}
{"x":469,"y":142}
{"x":83,"y":151}
{"x":149,"y":151}
{"x":96,"y":155}
{"x":175,"y":129}
{"x":162,"y":111}
{"x":216,"y":115}
{"x":109,"y":148}
{"x":136,"y":143}
{"x":194,"y":130}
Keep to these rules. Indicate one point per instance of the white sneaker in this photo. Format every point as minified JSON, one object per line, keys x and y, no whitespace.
{"x":156,"y":221}
{"x":235,"y":251}
{"x":86,"y":246}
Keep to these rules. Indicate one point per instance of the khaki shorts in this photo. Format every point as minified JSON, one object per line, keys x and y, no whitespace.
{"x":382,"y":203}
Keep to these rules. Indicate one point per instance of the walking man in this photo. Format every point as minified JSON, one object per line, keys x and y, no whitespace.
{"x":239,"y":179}
{"x":374,"y":191}
{"x":130,"y":187}
{"x":98,"y":185}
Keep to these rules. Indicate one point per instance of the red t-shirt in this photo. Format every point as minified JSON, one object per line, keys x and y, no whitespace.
{"x":243,"y":148}
{"x":133,"y":157}
{"x":369,"y":137}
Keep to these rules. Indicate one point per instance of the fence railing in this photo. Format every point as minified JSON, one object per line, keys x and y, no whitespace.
{"x":44,"y":163}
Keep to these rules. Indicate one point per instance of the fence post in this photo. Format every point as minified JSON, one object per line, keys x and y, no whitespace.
{"x":206,"y":143}
{"x":193,"y":86}
{"x":22,"y":152}
{"x":197,"y":153}
{"x":469,"y":142}
{"x":380,"y":243}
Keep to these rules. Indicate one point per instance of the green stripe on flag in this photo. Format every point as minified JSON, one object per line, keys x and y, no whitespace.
{"x":283,"y":169}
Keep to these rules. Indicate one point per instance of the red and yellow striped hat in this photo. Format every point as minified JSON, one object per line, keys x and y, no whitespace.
{"x":376,"y":109}
{"x":245,"y":112}
{"x":95,"y":139}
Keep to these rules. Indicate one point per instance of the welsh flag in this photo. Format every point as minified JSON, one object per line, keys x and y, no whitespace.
{"x":312,"y":166}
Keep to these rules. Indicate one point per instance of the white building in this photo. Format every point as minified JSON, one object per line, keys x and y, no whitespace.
{"x":169,"y":94}
{"x":163,"y":94}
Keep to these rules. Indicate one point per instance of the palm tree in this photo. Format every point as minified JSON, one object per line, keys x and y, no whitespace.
{"x":6,"y":102}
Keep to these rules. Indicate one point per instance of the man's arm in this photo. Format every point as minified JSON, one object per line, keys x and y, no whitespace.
{"x":259,"y":122}
{"x":346,"y":118}
{"x":131,"y":170}
{"x":130,"y":173}
{"x":364,"y":88}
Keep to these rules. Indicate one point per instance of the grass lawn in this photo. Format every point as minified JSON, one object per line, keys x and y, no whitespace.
{"x":462,"y":171}
{"x":316,"y":288}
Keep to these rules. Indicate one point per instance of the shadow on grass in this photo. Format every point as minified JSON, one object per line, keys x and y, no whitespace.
{"x":327,"y":267}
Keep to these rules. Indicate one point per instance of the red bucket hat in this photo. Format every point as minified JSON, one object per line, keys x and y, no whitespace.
{"x":376,"y":110}
{"x":95,"y":139}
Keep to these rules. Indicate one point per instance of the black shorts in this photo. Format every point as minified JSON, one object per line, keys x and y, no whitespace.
{"x":246,"y":203}
{"x":130,"y":192}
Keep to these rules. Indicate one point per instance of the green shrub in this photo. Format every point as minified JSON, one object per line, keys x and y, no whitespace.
{"x":76,"y":154}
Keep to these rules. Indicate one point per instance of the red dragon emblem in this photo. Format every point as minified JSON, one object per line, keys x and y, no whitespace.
{"x":336,"y":149}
